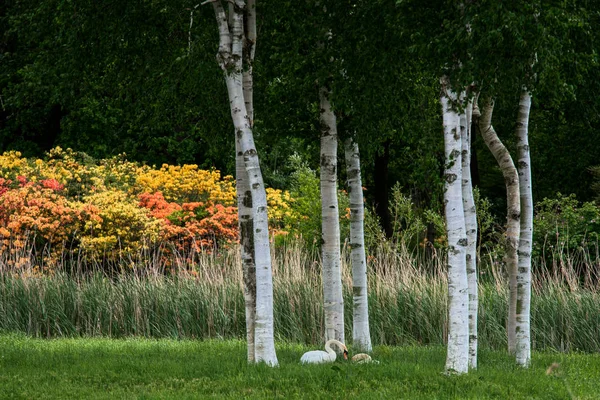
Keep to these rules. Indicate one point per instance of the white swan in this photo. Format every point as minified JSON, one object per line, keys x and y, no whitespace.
{"x":319,"y":356}
{"x":362,"y":358}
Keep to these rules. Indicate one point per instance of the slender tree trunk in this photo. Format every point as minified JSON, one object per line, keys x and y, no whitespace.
{"x":511,"y":179}
{"x":248,"y":55}
{"x":230,"y":59}
{"x":523,"y":326}
{"x":471,"y":229}
{"x":244,"y":195}
{"x":458,"y":292}
{"x":361,"y":336}
{"x":332,"y":278}
{"x":246,"y":222}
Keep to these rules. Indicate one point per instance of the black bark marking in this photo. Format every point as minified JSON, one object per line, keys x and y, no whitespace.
{"x":247,"y":199}
{"x":450,"y":178}
{"x":352,"y":174}
{"x":247,"y":238}
{"x":523,"y":165}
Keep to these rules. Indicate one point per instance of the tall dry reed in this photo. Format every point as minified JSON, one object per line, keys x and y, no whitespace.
{"x":407,"y":303}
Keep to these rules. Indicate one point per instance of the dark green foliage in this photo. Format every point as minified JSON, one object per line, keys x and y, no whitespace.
{"x":113,"y":77}
{"x":563,"y":225}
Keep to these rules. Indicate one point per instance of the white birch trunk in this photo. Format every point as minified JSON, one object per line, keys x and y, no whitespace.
{"x":458,"y":292}
{"x":230,"y":60}
{"x":248,"y":55}
{"x":511,"y":179}
{"x":523,"y":326}
{"x":332,"y":279}
{"x":245,"y":224}
{"x":470,"y":214}
{"x":244,"y":195}
{"x":361,"y":336}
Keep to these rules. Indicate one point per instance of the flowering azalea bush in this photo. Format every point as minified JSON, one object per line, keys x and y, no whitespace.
{"x":114,"y":209}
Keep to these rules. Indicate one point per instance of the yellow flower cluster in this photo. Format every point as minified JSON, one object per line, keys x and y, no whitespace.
{"x":188,"y":183}
{"x":122,"y":228}
{"x":279,"y":207}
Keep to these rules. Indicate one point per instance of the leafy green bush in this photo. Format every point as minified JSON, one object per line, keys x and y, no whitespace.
{"x":563,"y":224}
{"x":410,"y":224}
{"x":306,"y":205}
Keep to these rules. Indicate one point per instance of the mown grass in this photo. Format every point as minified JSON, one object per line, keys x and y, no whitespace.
{"x":145,"y":368}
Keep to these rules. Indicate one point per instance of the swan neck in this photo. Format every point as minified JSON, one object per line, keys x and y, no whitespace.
{"x":328,"y":348}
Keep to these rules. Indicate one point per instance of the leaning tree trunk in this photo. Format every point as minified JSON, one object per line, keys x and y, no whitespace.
{"x":511,"y":179}
{"x":471,"y":230}
{"x":361,"y":336}
{"x":523,"y":326}
{"x":458,"y":292}
{"x":244,"y":195}
{"x":230,"y":60}
{"x":332,"y":278}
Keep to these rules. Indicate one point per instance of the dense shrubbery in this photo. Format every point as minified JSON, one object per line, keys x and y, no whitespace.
{"x":564,"y":223}
{"x":112,"y":209}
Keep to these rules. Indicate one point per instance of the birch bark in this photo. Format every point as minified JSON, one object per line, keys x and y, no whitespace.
{"x":458,"y":292}
{"x":523,"y":311}
{"x":470,"y":215}
{"x":361,"y":337}
{"x":245,"y":223}
{"x":230,"y":58}
{"x":332,"y":279}
{"x":511,"y":179}
{"x":244,"y":195}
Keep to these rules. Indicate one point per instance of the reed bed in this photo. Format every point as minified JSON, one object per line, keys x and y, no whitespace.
{"x":407,"y":303}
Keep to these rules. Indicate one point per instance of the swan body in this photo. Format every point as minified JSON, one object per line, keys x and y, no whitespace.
{"x":362,"y":358}
{"x":327,"y":356}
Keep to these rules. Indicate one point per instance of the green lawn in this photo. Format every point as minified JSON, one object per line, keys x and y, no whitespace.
{"x":140,"y":368}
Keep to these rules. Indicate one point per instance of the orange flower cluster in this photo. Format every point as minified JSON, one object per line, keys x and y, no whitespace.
{"x":36,"y":215}
{"x":192,"y":227}
{"x":114,"y":209}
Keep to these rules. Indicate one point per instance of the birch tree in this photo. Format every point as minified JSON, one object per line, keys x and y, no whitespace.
{"x":523,"y":309}
{"x":332,"y":278}
{"x":457,"y":359}
{"x":230,"y":58}
{"x":243,"y":192}
{"x":511,"y":180}
{"x":470,"y":215}
{"x":361,"y":336}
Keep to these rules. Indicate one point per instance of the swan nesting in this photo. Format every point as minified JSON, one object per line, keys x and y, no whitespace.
{"x":362,"y":358}
{"x":327,"y":356}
